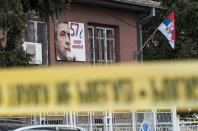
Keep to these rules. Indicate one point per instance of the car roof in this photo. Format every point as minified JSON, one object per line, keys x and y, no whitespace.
{"x":50,"y":126}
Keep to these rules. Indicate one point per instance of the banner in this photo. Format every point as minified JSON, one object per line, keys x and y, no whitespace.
{"x":70,"y":41}
{"x":88,"y":88}
{"x":77,"y":33}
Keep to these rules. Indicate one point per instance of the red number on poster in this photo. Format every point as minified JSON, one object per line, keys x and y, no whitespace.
{"x":74,"y":27}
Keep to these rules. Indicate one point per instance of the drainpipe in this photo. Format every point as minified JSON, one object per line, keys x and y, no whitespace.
{"x":143,"y":21}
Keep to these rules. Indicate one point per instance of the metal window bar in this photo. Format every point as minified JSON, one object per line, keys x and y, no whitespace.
{"x":102,"y":45}
{"x":111,"y":38}
{"x":37,"y":33}
{"x":32,"y":31}
{"x":91,"y":44}
{"x":101,"y":41}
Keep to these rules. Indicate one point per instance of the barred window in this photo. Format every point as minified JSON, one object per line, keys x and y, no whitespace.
{"x":101,"y":44}
{"x":36,"y":32}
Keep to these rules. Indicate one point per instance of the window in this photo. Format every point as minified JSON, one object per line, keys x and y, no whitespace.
{"x":36,"y":32}
{"x":101,"y":44}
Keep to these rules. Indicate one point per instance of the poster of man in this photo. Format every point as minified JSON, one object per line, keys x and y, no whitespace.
{"x":70,"y":41}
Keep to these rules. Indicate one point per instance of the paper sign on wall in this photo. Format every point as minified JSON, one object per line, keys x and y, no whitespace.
{"x":77,"y":35}
{"x":70,"y":41}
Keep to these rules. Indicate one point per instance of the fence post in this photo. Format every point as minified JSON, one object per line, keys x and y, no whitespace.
{"x":134,"y":121}
{"x":71,"y":118}
{"x":74,"y":119}
{"x":155,"y":119}
{"x":174,"y":116}
{"x":91,"y":121}
{"x":110,"y":121}
{"x":105,"y":121}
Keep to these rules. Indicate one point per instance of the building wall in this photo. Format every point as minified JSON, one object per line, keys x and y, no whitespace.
{"x":124,"y":21}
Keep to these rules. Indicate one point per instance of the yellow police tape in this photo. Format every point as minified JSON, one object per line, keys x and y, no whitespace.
{"x":88,"y":88}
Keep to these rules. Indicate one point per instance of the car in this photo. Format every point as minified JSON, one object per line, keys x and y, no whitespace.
{"x":50,"y":128}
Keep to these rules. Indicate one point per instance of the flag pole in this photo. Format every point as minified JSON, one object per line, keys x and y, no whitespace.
{"x":142,"y":47}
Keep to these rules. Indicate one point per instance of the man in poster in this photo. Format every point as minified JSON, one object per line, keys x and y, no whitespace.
{"x":63,"y":43}
{"x":70,"y":41}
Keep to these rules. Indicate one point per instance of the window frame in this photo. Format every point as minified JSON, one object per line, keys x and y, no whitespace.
{"x":94,"y":39}
{"x":38,"y":38}
{"x":35,"y":25}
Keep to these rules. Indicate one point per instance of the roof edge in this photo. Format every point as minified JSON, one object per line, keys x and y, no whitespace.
{"x":148,"y":3}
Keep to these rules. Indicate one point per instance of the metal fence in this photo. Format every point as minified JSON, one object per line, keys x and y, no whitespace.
{"x":23,"y":118}
{"x":111,"y":121}
{"x":104,"y":121}
{"x":189,"y":126}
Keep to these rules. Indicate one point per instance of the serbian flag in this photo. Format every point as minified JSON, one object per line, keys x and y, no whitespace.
{"x":168,"y":29}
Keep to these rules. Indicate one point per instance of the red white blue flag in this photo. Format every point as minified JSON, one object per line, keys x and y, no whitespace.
{"x":168,"y":29}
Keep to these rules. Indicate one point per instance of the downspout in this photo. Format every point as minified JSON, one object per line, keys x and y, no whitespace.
{"x":143,"y":21}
